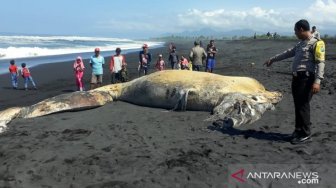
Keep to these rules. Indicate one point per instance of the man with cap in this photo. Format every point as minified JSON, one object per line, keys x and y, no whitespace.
{"x":308,"y":69}
{"x":197,"y":54}
{"x":145,"y":59}
{"x":96,"y":62}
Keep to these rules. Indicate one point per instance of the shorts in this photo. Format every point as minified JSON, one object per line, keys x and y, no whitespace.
{"x":97,"y":79}
{"x":211,"y":63}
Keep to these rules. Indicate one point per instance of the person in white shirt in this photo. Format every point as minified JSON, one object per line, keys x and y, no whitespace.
{"x":116,"y":64}
{"x":315,"y":33}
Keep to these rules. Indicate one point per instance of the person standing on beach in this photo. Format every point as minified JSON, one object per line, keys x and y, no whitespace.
{"x":173,"y":57}
{"x":212,"y":50}
{"x":308,"y":69}
{"x":145,"y":59}
{"x":96,"y":62}
{"x":79,"y":72}
{"x":14,"y":73}
{"x":160,"y":64}
{"x":26,"y":75}
{"x":315,"y":33}
{"x":197,"y":54}
{"x":116,"y":64}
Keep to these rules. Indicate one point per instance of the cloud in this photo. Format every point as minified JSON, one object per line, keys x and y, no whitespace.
{"x":255,"y":18}
{"x":321,"y":13}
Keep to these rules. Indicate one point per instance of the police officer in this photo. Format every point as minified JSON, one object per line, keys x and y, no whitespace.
{"x":308,"y":69}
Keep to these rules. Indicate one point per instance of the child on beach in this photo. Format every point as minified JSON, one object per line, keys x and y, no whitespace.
{"x":177,"y":65}
{"x":79,"y":71}
{"x":123,"y":73}
{"x":26,"y":75}
{"x":145,"y":58}
{"x":160,"y":64}
{"x":14,"y":73}
{"x":184,"y":63}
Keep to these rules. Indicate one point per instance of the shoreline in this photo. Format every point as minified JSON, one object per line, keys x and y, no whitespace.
{"x":42,"y":60}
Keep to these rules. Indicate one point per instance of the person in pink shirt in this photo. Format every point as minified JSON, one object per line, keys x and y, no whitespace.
{"x":79,"y":72}
{"x":184,"y":63}
{"x":160,"y":64}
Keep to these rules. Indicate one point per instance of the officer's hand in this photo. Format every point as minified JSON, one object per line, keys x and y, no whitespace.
{"x":316,"y":88}
{"x":268,"y":63}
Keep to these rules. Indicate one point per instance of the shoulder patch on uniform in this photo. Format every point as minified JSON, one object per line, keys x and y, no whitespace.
{"x":319,"y":51}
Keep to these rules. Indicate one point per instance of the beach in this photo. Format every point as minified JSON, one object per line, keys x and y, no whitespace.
{"x":125,"y":145}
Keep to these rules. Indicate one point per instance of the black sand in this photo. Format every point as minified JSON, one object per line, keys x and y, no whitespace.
{"x":123,"y":145}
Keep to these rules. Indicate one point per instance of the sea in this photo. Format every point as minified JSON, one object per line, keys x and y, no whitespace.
{"x":37,"y":50}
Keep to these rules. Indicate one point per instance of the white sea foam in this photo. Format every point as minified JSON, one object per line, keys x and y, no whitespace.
{"x":35,"y":46}
{"x":66,"y":38}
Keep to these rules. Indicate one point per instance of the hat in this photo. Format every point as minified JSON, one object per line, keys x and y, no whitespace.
{"x":97,"y":50}
{"x":144,"y":46}
{"x":160,"y":55}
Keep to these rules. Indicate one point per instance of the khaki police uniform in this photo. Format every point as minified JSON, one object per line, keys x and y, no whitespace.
{"x":308,"y":68}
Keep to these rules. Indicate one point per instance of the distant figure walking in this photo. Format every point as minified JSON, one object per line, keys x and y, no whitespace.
{"x":315,"y":33}
{"x":116,"y":65}
{"x":26,"y":75}
{"x":160,"y":64}
{"x":14,"y":73}
{"x":197,"y":54}
{"x":268,"y":35}
{"x":79,"y":72}
{"x":173,"y":57}
{"x":96,"y":62}
{"x":275,"y":35}
{"x":145,"y":59}
{"x":212,"y":51}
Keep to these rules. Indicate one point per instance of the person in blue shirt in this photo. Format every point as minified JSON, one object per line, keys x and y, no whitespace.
{"x":144,"y":60}
{"x":96,"y":62}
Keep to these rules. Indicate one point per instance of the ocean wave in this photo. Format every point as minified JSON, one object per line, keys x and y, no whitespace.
{"x":55,"y":38}
{"x":23,"y":52}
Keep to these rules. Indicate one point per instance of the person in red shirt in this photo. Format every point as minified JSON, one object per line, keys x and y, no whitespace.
{"x":14,"y":73}
{"x":25,"y":73}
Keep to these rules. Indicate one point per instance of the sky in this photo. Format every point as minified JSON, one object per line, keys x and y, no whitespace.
{"x":151,"y":18}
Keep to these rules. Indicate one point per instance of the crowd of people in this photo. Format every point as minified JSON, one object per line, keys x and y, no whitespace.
{"x":118,"y":65}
